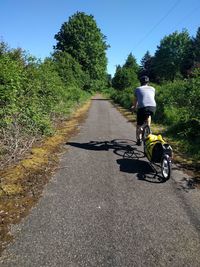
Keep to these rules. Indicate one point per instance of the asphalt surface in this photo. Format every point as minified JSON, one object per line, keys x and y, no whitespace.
{"x":102,"y":208}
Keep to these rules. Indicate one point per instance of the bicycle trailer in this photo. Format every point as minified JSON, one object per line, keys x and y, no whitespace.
{"x":155,"y":147}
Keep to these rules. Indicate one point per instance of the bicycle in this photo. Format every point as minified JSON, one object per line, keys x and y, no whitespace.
{"x":161,"y":153}
{"x":145,"y":129}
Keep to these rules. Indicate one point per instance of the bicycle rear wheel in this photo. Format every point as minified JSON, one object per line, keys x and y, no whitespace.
{"x":166,"y":167}
{"x":146,"y":131}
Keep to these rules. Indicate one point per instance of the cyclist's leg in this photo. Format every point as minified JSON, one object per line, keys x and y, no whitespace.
{"x":149,"y":112}
{"x":138,"y":132}
{"x":140,"y":122}
{"x":149,"y":120}
{"x":138,"y":135}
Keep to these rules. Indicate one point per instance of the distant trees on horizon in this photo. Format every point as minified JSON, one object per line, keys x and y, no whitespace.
{"x":176,"y":56}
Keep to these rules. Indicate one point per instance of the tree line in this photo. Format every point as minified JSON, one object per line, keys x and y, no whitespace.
{"x":176,"y":57}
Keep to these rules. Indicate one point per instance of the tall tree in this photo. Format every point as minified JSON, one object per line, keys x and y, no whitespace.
{"x":83,"y":40}
{"x":145,"y":62}
{"x":126,"y":76}
{"x":130,"y":70}
{"x":147,"y":66}
{"x":170,"y":54}
{"x":131,"y":63}
{"x":188,"y":60}
{"x":117,"y":81}
{"x":196,"y":46}
{"x":192,"y":57}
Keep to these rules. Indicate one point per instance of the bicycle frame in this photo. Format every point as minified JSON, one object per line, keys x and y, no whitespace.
{"x":145,"y":129}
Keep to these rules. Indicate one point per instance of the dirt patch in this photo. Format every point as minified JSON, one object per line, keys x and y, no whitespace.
{"x":21,"y":185}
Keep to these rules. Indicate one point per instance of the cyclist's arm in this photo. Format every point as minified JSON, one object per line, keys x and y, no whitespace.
{"x":135,"y":102}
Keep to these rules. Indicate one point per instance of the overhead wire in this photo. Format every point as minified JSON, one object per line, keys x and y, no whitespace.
{"x":158,"y":23}
{"x":192,"y":11}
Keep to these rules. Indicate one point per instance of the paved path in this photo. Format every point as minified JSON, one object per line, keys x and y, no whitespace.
{"x":101,"y":209}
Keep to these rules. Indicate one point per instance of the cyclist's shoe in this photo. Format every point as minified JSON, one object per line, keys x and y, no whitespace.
{"x":139,"y":142}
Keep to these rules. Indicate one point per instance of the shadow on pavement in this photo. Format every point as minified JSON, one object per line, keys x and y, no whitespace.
{"x":145,"y":172}
{"x":131,"y":161}
{"x":119,"y":146}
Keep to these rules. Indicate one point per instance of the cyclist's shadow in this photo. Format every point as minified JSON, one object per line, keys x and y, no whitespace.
{"x":132,"y":158}
{"x":116,"y":145}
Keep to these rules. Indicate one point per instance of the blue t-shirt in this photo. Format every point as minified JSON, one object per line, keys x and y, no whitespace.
{"x":145,"y":96}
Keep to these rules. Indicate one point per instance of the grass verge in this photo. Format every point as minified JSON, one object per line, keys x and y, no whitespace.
{"x":22,"y":185}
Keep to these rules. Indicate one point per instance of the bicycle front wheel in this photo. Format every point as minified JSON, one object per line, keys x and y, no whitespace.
{"x":166,"y":167}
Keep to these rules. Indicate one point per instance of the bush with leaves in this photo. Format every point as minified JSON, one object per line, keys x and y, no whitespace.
{"x":33,"y":95}
{"x":124,"y":98}
{"x":11,"y":87}
{"x":70,"y":70}
{"x":178,"y":107}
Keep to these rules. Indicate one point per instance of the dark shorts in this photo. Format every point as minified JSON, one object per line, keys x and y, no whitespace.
{"x":143,"y":113}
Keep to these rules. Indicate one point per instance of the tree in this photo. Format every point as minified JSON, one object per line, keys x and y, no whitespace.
{"x":196,"y":47}
{"x":117,"y":79}
{"x":147,"y":66}
{"x":192,"y":57}
{"x":130,"y":70}
{"x":188,"y":61}
{"x":170,"y":54}
{"x":109,"y":80}
{"x":126,"y":76}
{"x":145,"y":63}
{"x":131,"y":63}
{"x":83,"y":40}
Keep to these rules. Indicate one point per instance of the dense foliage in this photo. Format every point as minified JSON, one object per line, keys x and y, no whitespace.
{"x":176,"y":57}
{"x":32,"y":92}
{"x":175,"y":71}
{"x":126,"y":76}
{"x":146,"y":67}
{"x":170,"y":54}
{"x":179,"y":108}
{"x":33,"y":96}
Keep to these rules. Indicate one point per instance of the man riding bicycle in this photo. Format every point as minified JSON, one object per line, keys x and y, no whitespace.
{"x":145,"y":103}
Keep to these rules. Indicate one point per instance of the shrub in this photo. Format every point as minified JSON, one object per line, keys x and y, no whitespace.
{"x":33,"y":95}
{"x":124,"y":98}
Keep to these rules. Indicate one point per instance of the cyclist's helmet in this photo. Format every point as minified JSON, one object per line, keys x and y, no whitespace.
{"x":144,"y":79}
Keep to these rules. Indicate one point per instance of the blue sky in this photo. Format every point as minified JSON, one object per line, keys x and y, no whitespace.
{"x":130,"y":26}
